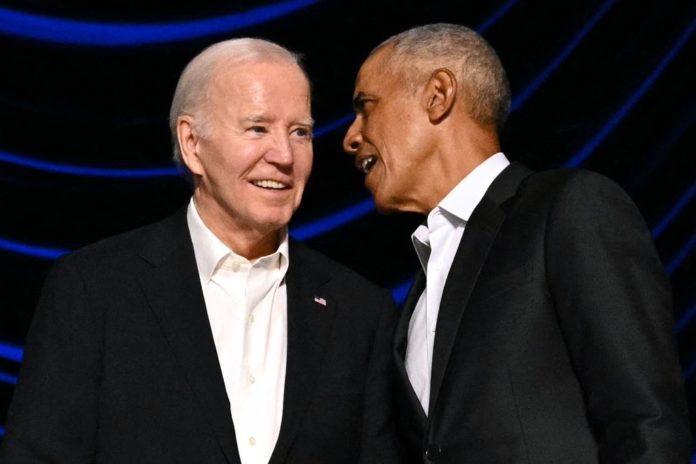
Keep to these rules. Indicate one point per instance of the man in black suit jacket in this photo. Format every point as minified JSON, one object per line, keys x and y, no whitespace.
{"x":540,"y":329}
{"x":122,"y":364}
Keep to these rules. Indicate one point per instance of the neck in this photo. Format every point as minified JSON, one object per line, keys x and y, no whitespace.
{"x":456,"y":157}
{"x":248,"y":242}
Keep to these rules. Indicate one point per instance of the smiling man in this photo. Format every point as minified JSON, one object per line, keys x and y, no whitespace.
{"x":540,"y":327}
{"x":212,"y":337}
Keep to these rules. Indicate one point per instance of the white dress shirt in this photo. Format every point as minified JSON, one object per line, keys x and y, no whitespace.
{"x":436,"y":244}
{"x":247,"y":309}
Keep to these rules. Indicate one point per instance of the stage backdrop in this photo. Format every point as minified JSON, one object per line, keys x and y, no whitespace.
{"x":85,"y":153}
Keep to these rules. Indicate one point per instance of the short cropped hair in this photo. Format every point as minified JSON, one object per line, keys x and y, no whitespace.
{"x":193,"y":88}
{"x":421,"y":50}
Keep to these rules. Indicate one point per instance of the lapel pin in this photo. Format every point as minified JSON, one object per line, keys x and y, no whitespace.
{"x":320,"y":300}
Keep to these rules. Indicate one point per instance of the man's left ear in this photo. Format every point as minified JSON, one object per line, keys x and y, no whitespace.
{"x":440,"y":93}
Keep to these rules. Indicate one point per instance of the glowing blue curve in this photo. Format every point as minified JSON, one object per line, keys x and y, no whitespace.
{"x":334,"y":125}
{"x":74,"y":32}
{"x":522,"y":96}
{"x":400,"y":292}
{"x":8,"y":378}
{"x":2,"y":431}
{"x":685,"y":319}
{"x":681,"y":255}
{"x":11,"y":352}
{"x":628,"y":105}
{"x":332,"y":221}
{"x":674,"y":211}
{"x":30,"y":250}
{"x":497,"y":14}
{"x":87,"y":171}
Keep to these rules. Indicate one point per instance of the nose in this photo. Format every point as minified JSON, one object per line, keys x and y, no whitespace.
{"x":353,"y":138}
{"x":281,"y":154}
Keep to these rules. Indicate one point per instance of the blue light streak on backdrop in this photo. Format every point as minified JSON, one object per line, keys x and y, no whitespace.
{"x":88,"y":171}
{"x":681,"y":255}
{"x":582,"y":155}
{"x":674,"y":211}
{"x":522,"y":96}
{"x":31,"y":250}
{"x":11,"y":352}
{"x":332,"y":221}
{"x":92,"y":33}
{"x":8,"y":378}
{"x":685,"y":319}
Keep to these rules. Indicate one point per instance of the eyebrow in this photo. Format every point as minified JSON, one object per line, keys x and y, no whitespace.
{"x":257,"y":118}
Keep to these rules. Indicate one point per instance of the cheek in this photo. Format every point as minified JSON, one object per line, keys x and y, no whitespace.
{"x":303,"y":165}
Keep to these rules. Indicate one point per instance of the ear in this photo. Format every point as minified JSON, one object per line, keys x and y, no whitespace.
{"x":440,"y":93}
{"x":189,"y":139}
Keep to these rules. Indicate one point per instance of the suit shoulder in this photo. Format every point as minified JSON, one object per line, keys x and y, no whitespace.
{"x":570,"y":184}
{"x":569,"y":178}
{"x":109,"y":250}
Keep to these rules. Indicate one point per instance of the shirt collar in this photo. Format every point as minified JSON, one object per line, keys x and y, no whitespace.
{"x":211,"y":252}
{"x":466,"y":195}
{"x":460,"y":202}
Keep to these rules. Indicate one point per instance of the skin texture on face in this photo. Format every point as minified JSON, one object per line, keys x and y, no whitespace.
{"x":252,"y":158}
{"x":389,"y":126}
{"x":416,"y":139}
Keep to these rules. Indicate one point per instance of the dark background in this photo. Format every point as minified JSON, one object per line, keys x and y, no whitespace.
{"x":602,"y":84}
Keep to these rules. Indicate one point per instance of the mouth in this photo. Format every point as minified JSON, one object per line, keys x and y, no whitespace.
{"x":270,"y":184}
{"x":366,"y":164}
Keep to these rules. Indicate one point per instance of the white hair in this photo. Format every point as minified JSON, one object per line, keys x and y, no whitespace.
{"x":193,"y":88}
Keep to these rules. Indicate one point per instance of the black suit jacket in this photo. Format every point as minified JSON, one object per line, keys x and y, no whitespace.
{"x":554,"y":335}
{"x":120,"y":364}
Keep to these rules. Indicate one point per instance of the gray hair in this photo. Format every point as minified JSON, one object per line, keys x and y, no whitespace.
{"x":192,"y":90}
{"x":463,"y":51}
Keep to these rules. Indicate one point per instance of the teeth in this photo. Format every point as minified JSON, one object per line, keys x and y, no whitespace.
{"x":270,"y":184}
{"x":368,"y":163}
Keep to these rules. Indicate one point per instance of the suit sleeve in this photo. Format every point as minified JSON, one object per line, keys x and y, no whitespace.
{"x":53,"y":414}
{"x":614,"y":307}
{"x":378,"y":437}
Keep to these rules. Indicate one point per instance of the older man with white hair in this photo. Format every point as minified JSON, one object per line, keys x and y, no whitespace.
{"x":211,"y":336}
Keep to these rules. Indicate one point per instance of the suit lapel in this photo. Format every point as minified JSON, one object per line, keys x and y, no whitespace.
{"x":309,"y":327}
{"x":172,"y":288}
{"x":479,"y":235}
{"x":401,"y":333}
{"x":399,"y":350}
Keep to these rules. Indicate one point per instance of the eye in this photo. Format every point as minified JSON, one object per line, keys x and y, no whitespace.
{"x":362,"y":105}
{"x":258,"y":129}
{"x":303,"y":132}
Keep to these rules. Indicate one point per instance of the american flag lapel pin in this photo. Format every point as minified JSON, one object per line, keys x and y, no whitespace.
{"x":320,"y":300}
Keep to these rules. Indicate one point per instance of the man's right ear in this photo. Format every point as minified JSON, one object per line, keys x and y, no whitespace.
{"x":189,"y":143}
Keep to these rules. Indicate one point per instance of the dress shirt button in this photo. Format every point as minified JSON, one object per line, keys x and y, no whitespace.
{"x":433,"y":452}
{"x":235,"y":266}
{"x":251,"y":319}
{"x":252,"y":441}
{"x":252,"y":379}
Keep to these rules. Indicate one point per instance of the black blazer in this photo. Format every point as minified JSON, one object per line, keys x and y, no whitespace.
{"x":554,"y":336}
{"x":120,"y":364}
